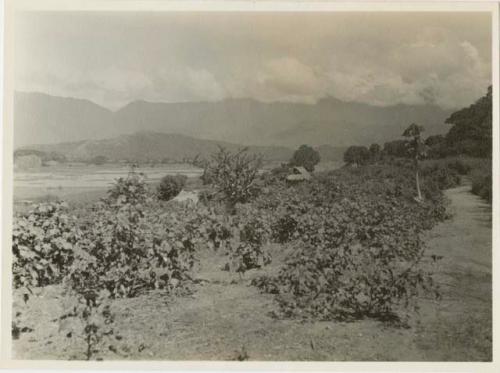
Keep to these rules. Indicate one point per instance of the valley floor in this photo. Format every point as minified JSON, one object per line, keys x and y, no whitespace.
{"x":227,"y":319}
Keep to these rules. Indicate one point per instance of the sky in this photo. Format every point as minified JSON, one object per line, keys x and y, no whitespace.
{"x":371,"y":57}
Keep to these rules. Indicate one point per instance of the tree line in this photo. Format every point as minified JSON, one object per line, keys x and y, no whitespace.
{"x":470,"y":134}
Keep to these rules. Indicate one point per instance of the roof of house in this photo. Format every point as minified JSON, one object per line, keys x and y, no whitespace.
{"x":300,"y":173}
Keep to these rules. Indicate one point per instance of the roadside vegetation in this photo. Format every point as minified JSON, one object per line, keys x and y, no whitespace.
{"x":352,"y":237}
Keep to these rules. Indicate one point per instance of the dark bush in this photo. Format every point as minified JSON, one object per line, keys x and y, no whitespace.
{"x":459,"y":166}
{"x":170,"y":186}
{"x":445,"y":177}
{"x":284,"y":229}
{"x":482,"y":184}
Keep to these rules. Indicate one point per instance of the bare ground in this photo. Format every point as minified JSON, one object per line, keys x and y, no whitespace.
{"x":227,"y":319}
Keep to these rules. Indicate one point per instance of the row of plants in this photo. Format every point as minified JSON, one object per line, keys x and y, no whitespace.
{"x":353,"y":238}
{"x":128,"y":243}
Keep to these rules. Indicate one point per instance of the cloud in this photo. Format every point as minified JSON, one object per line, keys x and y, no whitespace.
{"x":380,"y":59}
{"x":279,"y":79}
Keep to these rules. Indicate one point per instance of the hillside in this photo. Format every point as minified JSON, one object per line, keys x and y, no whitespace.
{"x":146,"y":146}
{"x":43,"y":119}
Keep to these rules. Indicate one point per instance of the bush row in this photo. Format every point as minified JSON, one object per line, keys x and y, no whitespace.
{"x":354,"y":242}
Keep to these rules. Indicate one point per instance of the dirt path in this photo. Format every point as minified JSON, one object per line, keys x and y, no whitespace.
{"x":227,"y":319}
{"x":460,"y":327}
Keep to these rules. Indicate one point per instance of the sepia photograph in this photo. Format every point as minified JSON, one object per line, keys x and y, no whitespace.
{"x":253,"y":185}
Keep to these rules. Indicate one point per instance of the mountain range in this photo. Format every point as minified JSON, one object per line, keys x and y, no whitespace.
{"x":43,"y":119}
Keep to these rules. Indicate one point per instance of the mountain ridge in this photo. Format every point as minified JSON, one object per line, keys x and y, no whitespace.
{"x":42,"y":119}
{"x":147,"y":146}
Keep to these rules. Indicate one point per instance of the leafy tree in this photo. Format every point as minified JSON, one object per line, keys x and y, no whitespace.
{"x":417,"y":150}
{"x":396,"y":148}
{"x":306,"y":157}
{"x":437,"y":147}
{"x":472,"y":128}
{"x":357,"y":155}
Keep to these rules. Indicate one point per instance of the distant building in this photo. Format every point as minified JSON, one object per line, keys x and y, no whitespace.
{"x":298,"y":174}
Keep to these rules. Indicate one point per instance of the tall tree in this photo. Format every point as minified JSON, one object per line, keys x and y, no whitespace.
{"x":416,"y":148}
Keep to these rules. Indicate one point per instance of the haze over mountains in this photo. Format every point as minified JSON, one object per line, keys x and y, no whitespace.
{"x":43,"y":119}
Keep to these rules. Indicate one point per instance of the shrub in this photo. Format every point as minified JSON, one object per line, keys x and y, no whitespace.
{"x":234,"y":175}
{"x":284,"y":229}
{"x":170,"y":186}
{"x":460,"y":166}
{"x":482,"y":184}
{"x":42,"y":245}
{"x":444,"y":176}
{"x":131,"y":245}
{"x":355,"y":246}
{"x":357,"y":155}
{"x":249,"y":253}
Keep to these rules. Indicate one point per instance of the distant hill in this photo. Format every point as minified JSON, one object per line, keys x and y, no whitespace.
{"x":148,"y":146}
{"x":40,"y":118}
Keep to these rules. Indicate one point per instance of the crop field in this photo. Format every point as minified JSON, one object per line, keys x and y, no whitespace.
{"x":346,"y":266}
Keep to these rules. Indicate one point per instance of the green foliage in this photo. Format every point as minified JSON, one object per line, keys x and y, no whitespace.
{"x":396,"y":148}
{"x":91,"y":307}
{"x":416,"y":147}
{"x":471,"y":133}
{"x":42,"y":245}
{"x":249,"y":252}
{"x":126,"y":246}
{"x":482,"y":183}
{"x":284,"y":229}
{"x":234,"y":175}
{"x":357,"y":155}
{"x":436,"y":146}
{"x":242,"y":237}
{"x":305,"y":156}
{"x":170,"y":186}
{"x":132,"y":245}
{"x":460,"y":167}
{"x":375,"y":152}
{"x":355,"y":244}
{"x":443,"y":175}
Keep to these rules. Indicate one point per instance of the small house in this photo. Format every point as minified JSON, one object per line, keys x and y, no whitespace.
{"x":298,"y":174}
